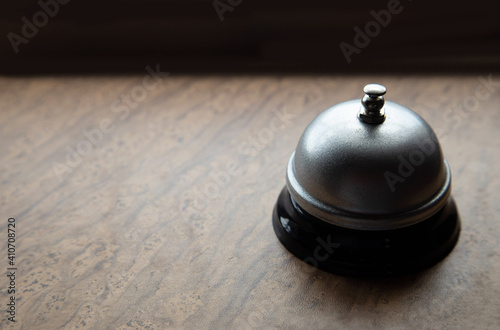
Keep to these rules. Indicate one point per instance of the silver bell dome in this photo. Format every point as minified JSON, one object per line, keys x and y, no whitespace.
{"x":369,"y":165}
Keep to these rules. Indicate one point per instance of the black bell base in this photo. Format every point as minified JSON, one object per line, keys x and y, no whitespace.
{"x":361,"y":253}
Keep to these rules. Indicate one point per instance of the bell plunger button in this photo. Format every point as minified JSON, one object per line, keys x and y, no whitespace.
{"x":372,"y":111}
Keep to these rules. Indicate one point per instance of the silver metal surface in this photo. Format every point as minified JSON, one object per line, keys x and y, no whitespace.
{"x":374,"y":90}
{"x":369,"y":177}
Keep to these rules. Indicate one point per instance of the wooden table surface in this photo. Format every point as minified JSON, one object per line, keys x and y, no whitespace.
{"x":146,"y":203}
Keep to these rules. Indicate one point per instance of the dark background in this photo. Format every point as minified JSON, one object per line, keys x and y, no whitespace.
{"x":256,"y":36}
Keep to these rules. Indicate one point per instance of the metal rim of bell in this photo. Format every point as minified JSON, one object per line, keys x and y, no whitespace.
{"x":359,"y":221}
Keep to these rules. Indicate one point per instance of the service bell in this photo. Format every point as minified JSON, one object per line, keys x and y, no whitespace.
{"x":368,"y":191}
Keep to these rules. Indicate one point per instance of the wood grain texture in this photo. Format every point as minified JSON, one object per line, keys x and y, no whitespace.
{"x":166,"y":222}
